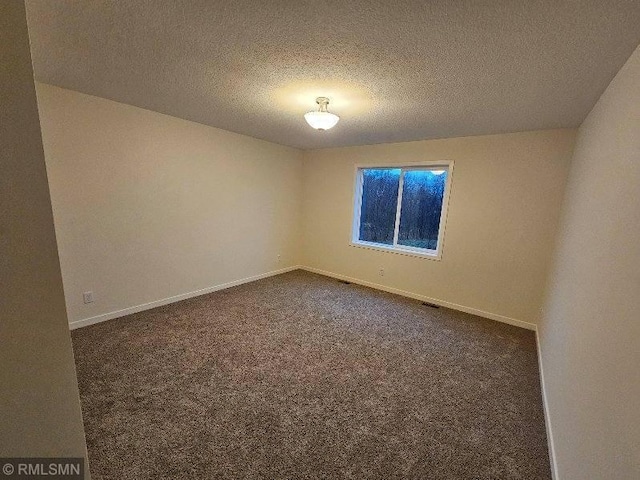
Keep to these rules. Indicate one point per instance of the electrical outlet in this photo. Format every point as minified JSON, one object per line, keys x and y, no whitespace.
{"x":382,"y":272}
{"x":279,"y":258}
{"x":87,"y":297}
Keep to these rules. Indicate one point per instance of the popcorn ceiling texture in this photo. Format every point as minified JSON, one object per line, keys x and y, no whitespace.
{"x":394,"y":70}
{"x":302,"y":377}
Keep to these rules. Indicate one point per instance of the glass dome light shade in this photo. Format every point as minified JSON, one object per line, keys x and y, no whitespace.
{"x":321,"y":120}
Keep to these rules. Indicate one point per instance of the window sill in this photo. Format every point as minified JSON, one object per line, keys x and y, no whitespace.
{"x":427,"y":254}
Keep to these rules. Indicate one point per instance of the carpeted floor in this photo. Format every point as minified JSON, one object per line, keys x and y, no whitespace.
{"x":300,"y":376}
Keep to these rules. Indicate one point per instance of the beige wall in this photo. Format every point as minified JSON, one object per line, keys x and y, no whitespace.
{"x":39,"y":403}
{"x":148,"y":206}
{"x":590,"y":334}
{"x":503,"y":213}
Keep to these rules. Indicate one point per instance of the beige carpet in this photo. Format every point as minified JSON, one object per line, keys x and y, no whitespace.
{"x":300,"y":376}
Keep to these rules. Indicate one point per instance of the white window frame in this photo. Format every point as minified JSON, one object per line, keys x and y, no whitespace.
{"x":395,"y":248}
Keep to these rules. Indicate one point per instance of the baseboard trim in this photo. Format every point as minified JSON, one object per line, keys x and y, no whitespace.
{"x":176,"y":298}
{"x":416,"y":296}
{"x":547,"y":417}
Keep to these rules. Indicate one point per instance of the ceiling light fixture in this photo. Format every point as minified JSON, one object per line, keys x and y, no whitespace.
{"x":321,"y":119}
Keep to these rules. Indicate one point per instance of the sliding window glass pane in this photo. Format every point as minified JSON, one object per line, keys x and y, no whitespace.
{"x":379,"y":202}
{"x":422,"y":195}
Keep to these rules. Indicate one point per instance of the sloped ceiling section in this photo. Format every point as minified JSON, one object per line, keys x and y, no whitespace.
{"x":394,"y":70}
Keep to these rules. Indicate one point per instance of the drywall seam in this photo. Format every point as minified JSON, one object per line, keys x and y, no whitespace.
{"x":176,"y":298}
{"x":442,"y":303}
{"x":547,"y":417}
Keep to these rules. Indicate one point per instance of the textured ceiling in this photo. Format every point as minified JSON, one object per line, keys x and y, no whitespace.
{"x":394,"y":70}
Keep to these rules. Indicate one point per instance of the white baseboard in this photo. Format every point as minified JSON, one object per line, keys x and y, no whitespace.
{"x":547,"y":418}
{"x":423,"y":298}
{"x":176,"y":298}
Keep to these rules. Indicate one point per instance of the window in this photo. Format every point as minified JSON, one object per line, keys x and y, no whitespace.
{"x":402,"y":209}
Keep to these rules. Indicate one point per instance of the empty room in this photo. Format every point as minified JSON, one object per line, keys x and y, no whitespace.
{"x":320,"y":240}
